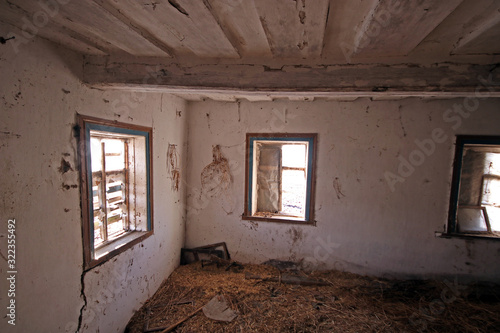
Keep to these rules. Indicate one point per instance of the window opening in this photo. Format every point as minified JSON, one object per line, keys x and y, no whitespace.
{"x":475,"y":198}
{"x":279,"y":179}
{"x":116,"y":187}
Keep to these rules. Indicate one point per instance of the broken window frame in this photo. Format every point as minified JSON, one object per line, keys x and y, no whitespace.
{"x":284,"y":138}
{"x":453,"y":229}
{"x":95,"y":255}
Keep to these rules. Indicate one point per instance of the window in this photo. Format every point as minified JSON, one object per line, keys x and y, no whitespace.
{"x":475,"y":195}
{"x":279,"y":181}
{"x":116,"y":178}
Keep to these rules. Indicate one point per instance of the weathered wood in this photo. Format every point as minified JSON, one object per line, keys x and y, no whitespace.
{"x":444,"y":79}
{"x":240,"y":21}
{"x":87,"y":18}
{"x":294,"y":29}
{"x":220,"y":261}
{"x":312,"y":32}
{"x":189,"y":31}
{"x":468,"y":17}
{"x":136,"y":26}
{"x":390,"y":29}
{"x":20,"y":16}
{"x":479,"y":40}
{"x":344,"y":17}
{"x":289,"y":279}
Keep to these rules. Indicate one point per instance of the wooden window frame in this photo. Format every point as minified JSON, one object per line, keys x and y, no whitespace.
{"x":452,"y":226}
{"x":312,"y":140}
{"x":85,"y":125}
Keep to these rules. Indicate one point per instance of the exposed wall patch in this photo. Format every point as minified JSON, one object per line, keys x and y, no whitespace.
{"x":65,"y":166}
{"x":173,"y":166}
{"x":216,"y":177}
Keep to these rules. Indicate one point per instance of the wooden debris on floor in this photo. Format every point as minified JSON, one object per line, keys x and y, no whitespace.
{"x":347,"y":303}
{"x":217,"y":254}
{"x":216,"y":309}
{"x":288,"y":279}
{"x":204,"y":252}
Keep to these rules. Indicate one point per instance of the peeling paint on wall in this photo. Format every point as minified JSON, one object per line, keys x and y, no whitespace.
{"x":216,"y":180}
{"x":173,"y":166}
{"x":65,"y":166}
{"x":44,"y":129}
{"x":216,"y":177}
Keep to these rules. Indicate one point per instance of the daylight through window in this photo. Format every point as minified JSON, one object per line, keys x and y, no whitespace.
{"x":279,"y":181}
{"x":116,"y":175}
{"x":475,"y":203}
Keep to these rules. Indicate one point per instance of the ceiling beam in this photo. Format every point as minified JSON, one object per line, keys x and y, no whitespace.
{"x":444,"y":79}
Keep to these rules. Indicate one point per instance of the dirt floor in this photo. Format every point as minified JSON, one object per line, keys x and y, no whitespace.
{"x":348,"y":303}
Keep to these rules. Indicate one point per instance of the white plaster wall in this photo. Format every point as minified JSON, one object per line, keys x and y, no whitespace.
{"x":40,"y":96}
{"x":362,"y":225}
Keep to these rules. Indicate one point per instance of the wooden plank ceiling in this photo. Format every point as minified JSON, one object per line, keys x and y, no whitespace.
{"x":271,"y":34}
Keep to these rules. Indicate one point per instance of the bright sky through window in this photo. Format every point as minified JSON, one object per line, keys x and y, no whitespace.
{"x":294,"y":156}
{"x":293,"y":179}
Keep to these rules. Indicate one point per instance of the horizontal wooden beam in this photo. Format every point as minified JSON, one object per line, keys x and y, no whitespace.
{"x":444,"y":79}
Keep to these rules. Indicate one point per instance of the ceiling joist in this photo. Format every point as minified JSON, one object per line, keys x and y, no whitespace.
{"x":327,"y":80}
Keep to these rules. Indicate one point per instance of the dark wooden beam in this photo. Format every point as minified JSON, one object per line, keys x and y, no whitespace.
{"x":445,"y":79}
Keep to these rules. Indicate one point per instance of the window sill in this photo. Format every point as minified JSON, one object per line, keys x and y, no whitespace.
{"x":118,"y":246}
{"x":468,"y":236}
{"x":278,"y":219}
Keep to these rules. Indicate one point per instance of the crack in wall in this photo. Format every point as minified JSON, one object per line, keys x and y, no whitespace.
{"x":401,"y":120}
{"x":239,"y":111}
{"x":82,"y":294}
{"x":338,"y":188}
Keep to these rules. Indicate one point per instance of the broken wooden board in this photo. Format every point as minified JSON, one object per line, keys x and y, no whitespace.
{"x":207,"y":250}
{"x":220,"y":262}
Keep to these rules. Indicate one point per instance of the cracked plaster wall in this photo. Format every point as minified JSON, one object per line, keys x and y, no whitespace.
{"x":363,"y":225}
{"x":39,"y":98}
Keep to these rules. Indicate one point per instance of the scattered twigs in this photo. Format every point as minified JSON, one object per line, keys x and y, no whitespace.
{"x":347,"y":303}
{"x":288,"y":279}
{"x":173,"y":326}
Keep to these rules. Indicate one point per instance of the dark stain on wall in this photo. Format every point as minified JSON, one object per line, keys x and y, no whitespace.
{"x":65,"y":166}
{"x":296,"y":235}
